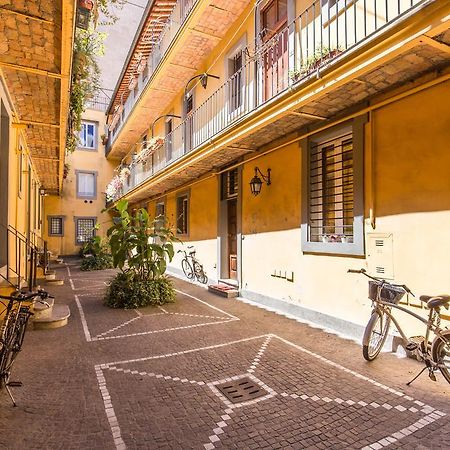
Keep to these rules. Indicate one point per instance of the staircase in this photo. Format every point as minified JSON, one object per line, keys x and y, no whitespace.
{"x":24,"y":262}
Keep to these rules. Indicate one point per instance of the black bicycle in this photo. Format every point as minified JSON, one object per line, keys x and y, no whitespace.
{"x":192,"y":267}
{"x":385,"y":297}
{"x":12,"y":331}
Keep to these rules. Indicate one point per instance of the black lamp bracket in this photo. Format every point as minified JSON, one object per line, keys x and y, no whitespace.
{"x":266,"y":178}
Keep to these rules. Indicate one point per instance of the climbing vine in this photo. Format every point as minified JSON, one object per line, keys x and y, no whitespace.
{"x":88,"y":46}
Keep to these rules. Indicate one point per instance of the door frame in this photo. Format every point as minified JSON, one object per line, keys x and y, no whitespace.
{"x":222,"y":231}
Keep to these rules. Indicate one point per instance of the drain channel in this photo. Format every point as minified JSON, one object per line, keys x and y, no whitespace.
{"x":241,"y":390}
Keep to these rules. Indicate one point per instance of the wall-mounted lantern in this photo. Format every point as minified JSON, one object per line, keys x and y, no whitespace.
{"x":84,"y":13}
{"x":256,"y":182}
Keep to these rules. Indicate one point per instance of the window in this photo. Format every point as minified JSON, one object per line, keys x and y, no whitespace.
{"x":84,"y":229}
{"x":230,"y":184}
{"x":169,"y":138}
{"x":88,"y":135}
{"x":333,"y":191}
{"x":236,"y":78}
{"x":55,"y":225}
{"x":273,"y":16}
{"x":182,"y":214}
{"x":86,"y":184}
{"x":160,"y":215}
{"x":20,"y":164}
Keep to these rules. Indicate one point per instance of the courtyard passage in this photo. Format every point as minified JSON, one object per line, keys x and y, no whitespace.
{"x":207,"y":372}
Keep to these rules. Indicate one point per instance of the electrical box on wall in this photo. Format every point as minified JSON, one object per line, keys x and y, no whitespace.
{"x":380,"y":255}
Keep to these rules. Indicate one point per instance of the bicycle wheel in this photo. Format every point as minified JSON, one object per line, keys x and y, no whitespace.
{"x":440,"y":352}
{"x":187,"y":269}
{"x":7,"y":354}
{"x":375,"y":334}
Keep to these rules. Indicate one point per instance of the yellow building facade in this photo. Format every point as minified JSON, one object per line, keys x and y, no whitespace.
{"x":347,"y":104}
{"x":35,"y":64}
{"x":72,"y":218}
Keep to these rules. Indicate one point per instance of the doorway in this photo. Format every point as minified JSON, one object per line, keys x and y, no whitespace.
{"x":229,"y":225}
{"x":276,"y":60}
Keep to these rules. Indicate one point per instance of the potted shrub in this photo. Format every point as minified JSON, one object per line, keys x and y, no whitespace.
{"x":140,"y":248}
{"x":95,"y":254}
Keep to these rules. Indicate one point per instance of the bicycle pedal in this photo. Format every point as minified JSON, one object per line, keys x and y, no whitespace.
{"x":411,"y":346}
{"x":14,"y":384}
{"x":432,"y":376}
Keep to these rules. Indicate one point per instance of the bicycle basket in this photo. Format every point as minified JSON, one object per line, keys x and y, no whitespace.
{"x":389,"y":294}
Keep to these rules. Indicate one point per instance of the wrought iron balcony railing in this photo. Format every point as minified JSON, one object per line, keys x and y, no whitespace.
{"x":318,"y":37}
{"x":173,"y":24}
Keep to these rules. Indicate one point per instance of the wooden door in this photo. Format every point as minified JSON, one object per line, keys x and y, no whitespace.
{"x":232,"y":237}
{"x":275,"y":43}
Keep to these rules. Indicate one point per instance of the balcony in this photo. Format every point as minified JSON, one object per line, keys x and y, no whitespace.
{"x":318,"y":42}
{"x":171,"y":27}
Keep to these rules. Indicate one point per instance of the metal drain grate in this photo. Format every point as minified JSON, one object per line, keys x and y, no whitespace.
{"x":241,"y":390}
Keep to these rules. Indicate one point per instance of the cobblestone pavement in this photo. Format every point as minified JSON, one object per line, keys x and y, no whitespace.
{"x":158,"y":378}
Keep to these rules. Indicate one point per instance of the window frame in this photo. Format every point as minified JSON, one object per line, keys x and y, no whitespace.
{"x":187,"y":196}
{"x":236,"y":103}
{"x":49,"y":229}
{"x":91,"y":172}
{"x":76,"y":219}
{"x":160,"y":223}
{"x":95,"y":147}
{"x":355,"y":248}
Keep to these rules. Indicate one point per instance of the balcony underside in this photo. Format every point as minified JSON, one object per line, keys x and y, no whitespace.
{"x":35,"y":63}
{"x":422,"y":61}
{"x":203,"y":33}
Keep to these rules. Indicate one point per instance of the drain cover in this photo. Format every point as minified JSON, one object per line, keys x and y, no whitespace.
{"x":241,"y":390}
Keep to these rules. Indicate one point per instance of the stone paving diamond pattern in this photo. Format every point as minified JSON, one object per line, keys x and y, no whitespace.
{"x":304,"y":407}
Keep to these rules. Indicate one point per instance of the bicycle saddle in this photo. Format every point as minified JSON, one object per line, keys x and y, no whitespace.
{"x":435,"y":301}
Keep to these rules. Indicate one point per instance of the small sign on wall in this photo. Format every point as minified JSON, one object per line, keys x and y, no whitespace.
{"x":380,"y":255}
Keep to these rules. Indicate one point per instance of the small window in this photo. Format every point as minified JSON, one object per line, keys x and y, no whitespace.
{"x":160,"y":215}
{"x":56,"y":226}
{"x":86,"y":184}
{"x":333,"y":191}
{"x":235,"y":81}
{"x":182,"y":214}
{"x":230,"y":184}
{"x":84,"y":229}
{"x":88,"y":135}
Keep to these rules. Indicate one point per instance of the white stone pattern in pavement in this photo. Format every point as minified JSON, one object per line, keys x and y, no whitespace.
{"x":425,"y":413}
{"x":225,"y":317}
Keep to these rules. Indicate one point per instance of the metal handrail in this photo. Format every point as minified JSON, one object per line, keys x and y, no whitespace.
{"x":20,"y":258}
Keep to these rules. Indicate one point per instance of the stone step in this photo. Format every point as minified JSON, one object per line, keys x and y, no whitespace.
{"x":224,"y":290}
{"x":229,"y":282}
{"x":50,"y":275}
{"x":42,"y":311}
{"x":54,"y":282}
{"x":59,"y":317}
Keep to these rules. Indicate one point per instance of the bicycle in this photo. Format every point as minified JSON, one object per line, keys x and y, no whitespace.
{"x":385,"y":296}
{"x":193,"y":269}
{"x":12,"y":332}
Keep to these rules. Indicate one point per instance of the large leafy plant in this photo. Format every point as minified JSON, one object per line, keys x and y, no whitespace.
{"x":139,"y":245}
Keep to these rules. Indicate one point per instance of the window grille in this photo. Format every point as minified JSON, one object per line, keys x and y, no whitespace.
{"x":230,"y":184}
{"x":55,"y":226}
{"x":85,"y":230}
{"x":331,"y":189}
{"x":160,"y":215}
{"x":182,"y":214}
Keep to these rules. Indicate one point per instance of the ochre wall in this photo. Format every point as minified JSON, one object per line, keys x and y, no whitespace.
{"x":68,"y":205}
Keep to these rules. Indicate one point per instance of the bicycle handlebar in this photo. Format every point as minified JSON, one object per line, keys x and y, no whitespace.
{"x":24,"y":297}
{"x":364,"y":272}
